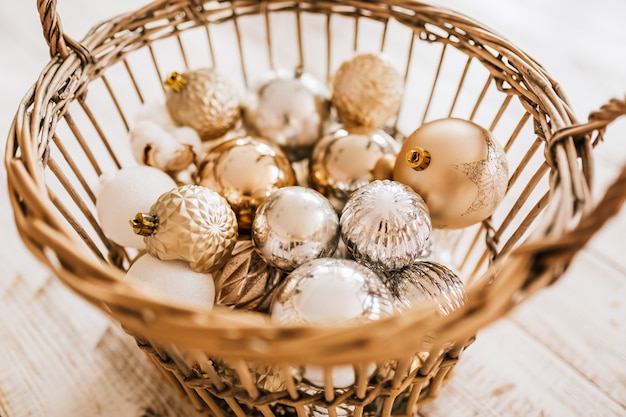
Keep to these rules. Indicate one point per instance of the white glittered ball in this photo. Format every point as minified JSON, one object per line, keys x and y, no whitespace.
{"x":172,"y":281}
{"x":123,"y":194}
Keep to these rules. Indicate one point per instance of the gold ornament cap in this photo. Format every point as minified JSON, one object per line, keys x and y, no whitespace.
{"x":418,"y":158}
{"x":175,"y":81}
{"x":144,"y":224}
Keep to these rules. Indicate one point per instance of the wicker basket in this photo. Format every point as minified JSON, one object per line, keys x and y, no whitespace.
{"x":72,"y":126}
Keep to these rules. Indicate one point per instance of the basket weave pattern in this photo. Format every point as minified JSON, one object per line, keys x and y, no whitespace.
{"x":72,"y":126}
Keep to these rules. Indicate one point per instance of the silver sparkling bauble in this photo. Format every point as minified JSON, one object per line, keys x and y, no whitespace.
{"x":294,"y":225}
{"x":331,"y":291}
{"x":191,"y":223}
{"x":245,"y":280}
{"x":427,"y":282}
{"x":367,"y":90}
{"x":347,"y":159}
{"x":385,"y":225}
{"x":291,"y":109}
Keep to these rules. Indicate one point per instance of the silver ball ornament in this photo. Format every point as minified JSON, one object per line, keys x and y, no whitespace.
{"x":427,"y":282}
{"x":290,"y":109}
{"x":294,"y":225}
{"x":385,"y":225}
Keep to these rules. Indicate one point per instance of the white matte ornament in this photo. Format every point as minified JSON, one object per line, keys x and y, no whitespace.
{"x":172,"y":281}
{"x":124,"y":193}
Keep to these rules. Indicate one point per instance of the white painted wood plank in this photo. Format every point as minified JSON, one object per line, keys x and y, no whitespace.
{"x":60,"y":358}
{"x":507,"y":373}
{"x":582,"y":320}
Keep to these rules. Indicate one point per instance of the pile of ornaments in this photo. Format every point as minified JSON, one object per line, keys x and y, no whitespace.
{"x":293,"y":201}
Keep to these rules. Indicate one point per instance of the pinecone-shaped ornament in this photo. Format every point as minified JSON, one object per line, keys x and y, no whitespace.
{"x":203,"y":99}
{"x":190,"y":223}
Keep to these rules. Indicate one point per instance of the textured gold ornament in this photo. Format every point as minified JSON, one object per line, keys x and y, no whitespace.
{"x":190,"y":223}
{"x":367,"y":90}
{"x":203,"y":99}
{"x":458,"y":167}
{"x":245,"y":171}
{"x":245,"y":280}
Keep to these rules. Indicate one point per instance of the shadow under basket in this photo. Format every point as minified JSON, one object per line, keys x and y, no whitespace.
{"x":73,"y":125}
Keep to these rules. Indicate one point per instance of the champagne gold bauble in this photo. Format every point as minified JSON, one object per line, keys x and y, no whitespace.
{"x":346,"y":160}
{"x":367,"y":90}
{"x":245,"y":171}
{"x":246,"y":280}
{"x":294,"y":225}
{"x":190,"y":223}
{"x":459,"y":169}
{"x":385,"y":225}
{"x":290,"y":109}
{"x":203,"y":99}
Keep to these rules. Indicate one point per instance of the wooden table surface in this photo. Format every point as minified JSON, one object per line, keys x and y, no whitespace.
{"x":563,"y":353}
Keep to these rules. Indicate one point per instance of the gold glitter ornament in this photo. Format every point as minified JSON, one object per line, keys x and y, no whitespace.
{"x":245,"y":280}
{"x":203,"y":99}
{"x":190,"y":223}
{"x":347,"y":159}
{"x":458,"y":168}
{"x":245,"y":171}
{"x":367,"y":90}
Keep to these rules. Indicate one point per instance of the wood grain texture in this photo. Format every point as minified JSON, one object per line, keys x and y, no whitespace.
{"x":560,"y":354}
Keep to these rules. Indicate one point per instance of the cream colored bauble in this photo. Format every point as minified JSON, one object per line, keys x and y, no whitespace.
{"x":172,"y":281}
{"x":122,"y":194}
{"x":458,"y":168}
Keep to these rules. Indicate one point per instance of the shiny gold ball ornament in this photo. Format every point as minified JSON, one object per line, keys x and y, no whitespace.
{"x":385,"y":225}
{"x":191,"y":223}
{"x":203,"y":99}
{"x":367,"y":90}
{"x":458,"y":167}
{"x":245,"y":171}
{"x":347,"y":159}
{"x":295,"y":225}
{"x":290,"y":109}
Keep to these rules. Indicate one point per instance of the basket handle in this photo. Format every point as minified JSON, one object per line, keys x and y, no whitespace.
{"x":60,"y":44}
{"x":609,"y":205}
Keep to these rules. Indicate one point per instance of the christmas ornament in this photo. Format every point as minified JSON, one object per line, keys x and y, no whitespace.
{"x":331,"y":291}
{"x":170,"y":151}
{"x":245,"y":171}
{"x":345,"y":160}
{"x":459,"y":169}
{"x":290,"y":109}
{"x":190,"y":223}
{"x":385,"y":225}
{"x":367,"y":90}
{"x":245,"y":280}
{"x":427,"y":282}
{"x":172,"y":281}
{"x":123,"y":193}
{"x":203,"y":99}
{"x":294,"y":225}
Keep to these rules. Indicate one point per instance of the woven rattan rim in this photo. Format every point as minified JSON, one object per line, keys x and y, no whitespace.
{"x":234,"y":334}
